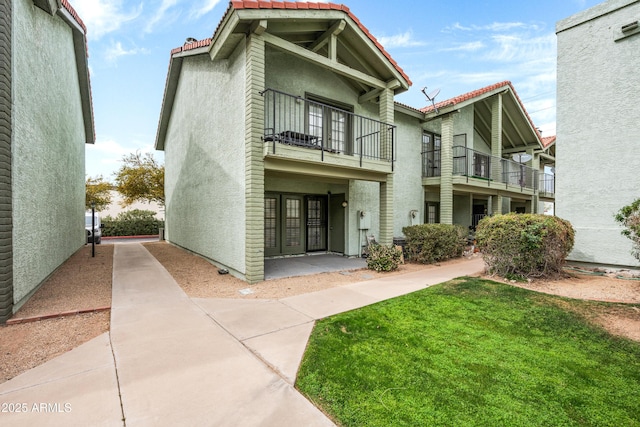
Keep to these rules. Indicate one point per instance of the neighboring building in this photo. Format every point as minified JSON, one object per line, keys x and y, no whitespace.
{"x":46,"y":117}
{"x":115,"y":207}
{"x":281,"y":136}
{"x":598,"y":123}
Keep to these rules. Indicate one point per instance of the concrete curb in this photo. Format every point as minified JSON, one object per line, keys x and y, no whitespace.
{"x":55,"y":315}
{"x":145,"y":236}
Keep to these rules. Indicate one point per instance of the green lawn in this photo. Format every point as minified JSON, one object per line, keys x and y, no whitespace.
{"x":472,"y":352}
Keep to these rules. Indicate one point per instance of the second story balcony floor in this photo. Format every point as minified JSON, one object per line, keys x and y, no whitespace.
{"x":481,"y":169}
{"x":305,"y":130}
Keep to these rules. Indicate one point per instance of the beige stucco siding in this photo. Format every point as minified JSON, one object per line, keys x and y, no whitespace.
{"x":47,"y":148}
{"x":205,"y":160}
{"x":598,"y":128}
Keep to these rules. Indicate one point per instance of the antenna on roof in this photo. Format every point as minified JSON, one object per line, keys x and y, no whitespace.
{"x":431,"y":96}
{"x":190,"y":40}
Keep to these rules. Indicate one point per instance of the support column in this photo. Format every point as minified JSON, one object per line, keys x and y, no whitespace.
{"x":496,"y":150}
{"x":6,"y":204}
{"x":386,"y":188}
{"x":446,"y":175}
{"x":254,"y":163}
{"x":535,"y":199}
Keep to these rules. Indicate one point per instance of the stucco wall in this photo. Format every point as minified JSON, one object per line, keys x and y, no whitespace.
{"x":408,"y":192}
{"x":290,"y":74}
{"x":598,"y":128}
{"x":48,"y":147}
{"x":6,"y":245}
{"x":204,"y":166}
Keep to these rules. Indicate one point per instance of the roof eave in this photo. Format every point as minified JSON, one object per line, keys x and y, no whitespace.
{"x":82,"y":65}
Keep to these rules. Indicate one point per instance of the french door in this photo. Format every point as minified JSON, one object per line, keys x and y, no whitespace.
{"x":294,"y":224}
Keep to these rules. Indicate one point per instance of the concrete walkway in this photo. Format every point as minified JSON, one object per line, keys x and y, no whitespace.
{"x":171,"y":360}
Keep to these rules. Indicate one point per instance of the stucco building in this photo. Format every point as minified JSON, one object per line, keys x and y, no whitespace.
{"x":282,"y":137}
{"x":46,"y":118}
{"x":598,"y":126}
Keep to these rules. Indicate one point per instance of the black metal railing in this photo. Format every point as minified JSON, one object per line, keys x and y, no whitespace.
{"x":547,"y":183}
{"x":293,"y":120}
{"x":479,"y":165}
{"x":431,"y":163}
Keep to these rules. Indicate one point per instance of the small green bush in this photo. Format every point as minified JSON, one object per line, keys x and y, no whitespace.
{"x":529,"y":245}
{"x":135,"y":222}
{"x":629,"y":217}
{"x":383,"y":258}
{"x":430,"y":243}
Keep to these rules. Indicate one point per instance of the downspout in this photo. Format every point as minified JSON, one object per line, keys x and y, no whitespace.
{"x":6,"y":226}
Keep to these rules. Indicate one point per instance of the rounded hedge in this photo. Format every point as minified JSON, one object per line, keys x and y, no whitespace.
{"x":529,"y":245}
{"x":430,"y":243}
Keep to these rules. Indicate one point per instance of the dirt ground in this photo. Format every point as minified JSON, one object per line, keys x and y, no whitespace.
{"x":84,"y":283}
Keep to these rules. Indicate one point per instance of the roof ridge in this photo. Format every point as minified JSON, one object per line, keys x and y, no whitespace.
{"x":478,"y":92}
{"x":298,"y":5}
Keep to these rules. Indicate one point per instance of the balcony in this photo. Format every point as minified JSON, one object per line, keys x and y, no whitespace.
{"x":482,"y":169}
{"x":305,"y":130}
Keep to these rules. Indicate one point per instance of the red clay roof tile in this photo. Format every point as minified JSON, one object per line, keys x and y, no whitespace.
{"x":254,"y":4}
{"x":548,"y":140}
{"x":478,"y":92}
{"x":73,"y":13}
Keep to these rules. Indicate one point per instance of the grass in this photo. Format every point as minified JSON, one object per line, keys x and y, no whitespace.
{"x":472,"y":352}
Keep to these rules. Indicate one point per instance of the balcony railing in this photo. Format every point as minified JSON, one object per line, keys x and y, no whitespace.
{"x":301,"y":122}
{"x":547,"y":183}
{"x":475,"y":164}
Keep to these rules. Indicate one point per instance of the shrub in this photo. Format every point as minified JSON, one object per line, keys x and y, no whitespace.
{"x":629,"y":217}
{"x":135,"y":222}
{"x":429,"y":243}
{"x":530,"y":245}
{"x":383,"y":258}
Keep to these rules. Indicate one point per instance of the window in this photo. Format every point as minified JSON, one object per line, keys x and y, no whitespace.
{"x":431,"y":144}
{"x":330,"y":122}
{"x":432,"y":213}
{"x":481,"y":165}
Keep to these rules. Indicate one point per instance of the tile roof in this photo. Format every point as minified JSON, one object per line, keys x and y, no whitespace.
{"x":478,"y":92}
{"x":72,"y":12}
{"x":259,"y":4}
{"x":548,"y":140}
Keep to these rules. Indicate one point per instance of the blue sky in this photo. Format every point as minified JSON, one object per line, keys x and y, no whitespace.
{"x":456,"y":46}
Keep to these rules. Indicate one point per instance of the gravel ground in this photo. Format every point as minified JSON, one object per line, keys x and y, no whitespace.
{"x":82,"y":282}
{"x":85,"y":283}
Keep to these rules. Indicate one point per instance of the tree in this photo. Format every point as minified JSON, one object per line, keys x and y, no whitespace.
{"x":629,"y":217}
{"x":98,"y":193}
{"x":140,"y":179}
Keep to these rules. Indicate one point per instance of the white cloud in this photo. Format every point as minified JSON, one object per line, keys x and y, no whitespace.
{"x":105,"y":156}
{"x":104,"y":16}
{"x":116,"y":51}
{"x":465,"y":47}
{"x":400,"y":40}
{"x":161,"y":15}
{"x":205,"y":7}
{"x":493,"y":27}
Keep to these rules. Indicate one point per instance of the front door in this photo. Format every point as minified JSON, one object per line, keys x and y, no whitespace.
{"x":316,"y":223}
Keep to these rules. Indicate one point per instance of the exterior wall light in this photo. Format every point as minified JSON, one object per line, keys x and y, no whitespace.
{"x":345,"y":204}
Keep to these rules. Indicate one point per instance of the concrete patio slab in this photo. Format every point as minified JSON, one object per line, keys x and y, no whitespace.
{"x":277,"y":268}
